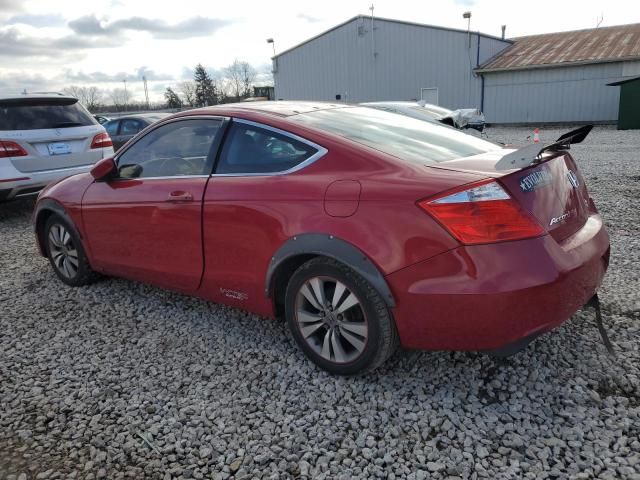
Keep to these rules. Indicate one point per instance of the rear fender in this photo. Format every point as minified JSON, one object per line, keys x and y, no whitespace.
{"x":332,"y":247}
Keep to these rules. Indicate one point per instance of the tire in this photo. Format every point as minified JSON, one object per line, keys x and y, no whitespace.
{"x":66,"y":254}
{"x":353,"y":333}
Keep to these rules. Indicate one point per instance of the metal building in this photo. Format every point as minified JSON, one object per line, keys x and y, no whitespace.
{"x":561,"y":77}
{"x":365,"y":59}
{"x":629,"y":113}
{"x":558,"y":77}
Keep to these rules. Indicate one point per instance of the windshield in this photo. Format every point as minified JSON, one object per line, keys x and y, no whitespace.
{"x":403,"y":137}
{"x":35,"y":114}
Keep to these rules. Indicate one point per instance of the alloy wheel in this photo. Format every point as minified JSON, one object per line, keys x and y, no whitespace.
{"x":331,"y":319}
{"x":62,"y":250}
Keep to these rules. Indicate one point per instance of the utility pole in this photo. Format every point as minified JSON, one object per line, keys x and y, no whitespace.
{"x":146,"y":90}
{"x":467,"y":15}
{"x":373,"y":36}
{"x":126,"y":95}
{"x":274,"y":62}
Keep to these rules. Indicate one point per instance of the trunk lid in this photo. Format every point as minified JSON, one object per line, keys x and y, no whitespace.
{"x":553,"y":191}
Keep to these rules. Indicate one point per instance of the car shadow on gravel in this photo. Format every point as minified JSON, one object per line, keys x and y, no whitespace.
{"x":16,"y":209}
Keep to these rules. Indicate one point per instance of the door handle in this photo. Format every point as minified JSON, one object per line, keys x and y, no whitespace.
{"x":180,"y":196}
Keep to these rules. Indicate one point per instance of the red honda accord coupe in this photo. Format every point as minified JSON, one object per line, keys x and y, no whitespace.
{"x":363,"y":228}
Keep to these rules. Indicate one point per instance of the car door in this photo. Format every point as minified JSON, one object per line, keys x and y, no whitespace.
{"x":145,"y":224}
{"x":250,"y":208}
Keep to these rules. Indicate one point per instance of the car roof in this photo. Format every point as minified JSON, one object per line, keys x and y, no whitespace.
{"x":137,"y":116}
{"x":391,"y":104}
{"x":36,"y":96}
{"x":282,"y":108}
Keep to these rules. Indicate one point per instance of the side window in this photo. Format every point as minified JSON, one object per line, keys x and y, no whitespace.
{"x":175,"y":149}
{"x":130,"y":127}
{"x":250,"y":149}
{"x":112,"y":127}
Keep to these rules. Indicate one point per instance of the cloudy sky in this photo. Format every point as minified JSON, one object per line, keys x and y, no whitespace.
{"x":46,"y":45}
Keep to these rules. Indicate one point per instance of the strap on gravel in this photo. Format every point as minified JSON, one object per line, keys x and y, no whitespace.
{"x":595,"y":303}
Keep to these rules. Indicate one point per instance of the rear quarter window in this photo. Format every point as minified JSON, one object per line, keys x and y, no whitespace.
{"x":257,"y":150}
{"x":112,"y":127}
{"x":37,"y":114}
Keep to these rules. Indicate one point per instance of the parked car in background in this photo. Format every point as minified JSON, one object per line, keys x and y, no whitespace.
{"x":101,"y":119}
{"x":461,"y":119}
{"x":45,"y":137}
{"x":123,"y":129}
{"x":363,"y":228}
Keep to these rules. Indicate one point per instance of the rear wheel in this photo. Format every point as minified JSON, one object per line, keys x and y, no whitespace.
{"x":338,"y":319}
{"x":66,"y":254}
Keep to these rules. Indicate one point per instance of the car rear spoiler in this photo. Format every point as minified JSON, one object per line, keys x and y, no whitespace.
{"x":525,"y":156}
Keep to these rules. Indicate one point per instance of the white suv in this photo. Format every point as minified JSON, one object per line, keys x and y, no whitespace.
{"x":43,"y":138}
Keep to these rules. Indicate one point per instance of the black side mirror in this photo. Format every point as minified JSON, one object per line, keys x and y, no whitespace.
{"x":129,"y":171}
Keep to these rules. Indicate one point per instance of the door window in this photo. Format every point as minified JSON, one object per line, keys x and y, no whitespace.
{"x":130,"y":127}
{"x":251,"y":149}
{"x":175,"y":149}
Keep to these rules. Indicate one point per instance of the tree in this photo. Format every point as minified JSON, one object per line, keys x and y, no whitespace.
{"x":205,"y":93}
{"x":188,"y":91}
{"x":120,"y":98}
{"x":239,"y":78}
{"x":248,"y":74}
{"x":75,"y":91}
{"x":93,"y":98}
{"x":90,"y":97}
{"x":173,"y":100}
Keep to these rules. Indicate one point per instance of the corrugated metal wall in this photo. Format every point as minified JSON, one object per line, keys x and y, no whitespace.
{"x":408,"y":57}
{"x":562,"y":94}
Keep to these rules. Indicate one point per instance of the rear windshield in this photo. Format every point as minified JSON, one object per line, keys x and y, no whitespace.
{"x":35,"y":114}
{"x":403,"y":137}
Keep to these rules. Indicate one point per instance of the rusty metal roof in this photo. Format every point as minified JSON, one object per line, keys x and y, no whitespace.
{"x":595,"y":45}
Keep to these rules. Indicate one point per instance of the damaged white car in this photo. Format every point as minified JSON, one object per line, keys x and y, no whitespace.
{"x":462,"y":118}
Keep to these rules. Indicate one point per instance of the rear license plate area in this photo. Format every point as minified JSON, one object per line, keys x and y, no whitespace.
{"x":59,"y":148}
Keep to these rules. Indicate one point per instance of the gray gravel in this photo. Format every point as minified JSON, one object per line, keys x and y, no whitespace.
{"x":121,"y":380}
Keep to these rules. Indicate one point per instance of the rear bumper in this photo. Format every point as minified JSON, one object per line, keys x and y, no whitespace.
{"x":20,"y":184}
{"x":490,"y":297}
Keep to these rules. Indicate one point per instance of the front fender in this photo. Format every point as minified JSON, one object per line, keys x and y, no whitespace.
{"x":41,"y":212}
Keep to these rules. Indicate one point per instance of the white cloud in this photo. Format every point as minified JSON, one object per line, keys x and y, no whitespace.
{"x":103,"y":41}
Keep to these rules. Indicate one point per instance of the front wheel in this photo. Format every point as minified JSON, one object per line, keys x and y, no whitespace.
{"x":338,"y":319}
{"x":65,"y":252}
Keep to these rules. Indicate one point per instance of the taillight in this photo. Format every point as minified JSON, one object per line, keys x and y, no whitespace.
{"x":482,"y":213}
{"x":11,"y":149}
{"x":101,"y":140}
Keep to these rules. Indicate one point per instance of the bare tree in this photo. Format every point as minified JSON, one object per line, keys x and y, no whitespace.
{"x":248,"y":75}
{"x":187,"y":90}
{"x":76,"y":91}
{"x":233,"y":79}
{"x":238,"y":79}
{"x":93,"y":98}
{"x":90,"y":97}
{"x":120,"y":97}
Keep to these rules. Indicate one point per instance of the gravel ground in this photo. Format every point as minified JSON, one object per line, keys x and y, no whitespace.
{"x":122,"y":380}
